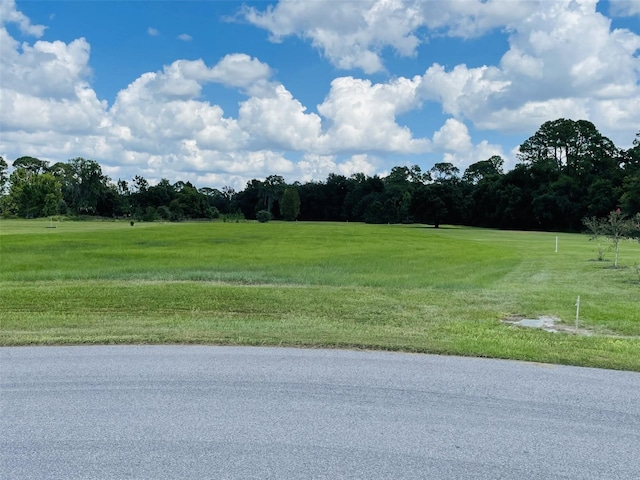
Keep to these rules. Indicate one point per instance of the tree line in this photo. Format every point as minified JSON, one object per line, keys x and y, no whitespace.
{"x":566,"y":171}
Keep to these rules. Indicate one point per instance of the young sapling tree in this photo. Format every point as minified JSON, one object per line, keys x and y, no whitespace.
{"x":596,"y":228}
{"x":617,"y":227}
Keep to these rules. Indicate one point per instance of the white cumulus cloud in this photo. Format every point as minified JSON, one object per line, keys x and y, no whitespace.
{"x":564,"y":60}
{"x":10,"y":14}
{"x":279,"y":121}
{"x":453,"y":142}
{"x":240,"y":70}
{"x":362,"y":115}
{"x":624,"y":8}
{"x":353,"y":34}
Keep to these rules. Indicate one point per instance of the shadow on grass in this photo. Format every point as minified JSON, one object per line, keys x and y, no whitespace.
{"x":441,"y":227}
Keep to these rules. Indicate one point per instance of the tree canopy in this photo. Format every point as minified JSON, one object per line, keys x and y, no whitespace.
{"x":566,"y":171}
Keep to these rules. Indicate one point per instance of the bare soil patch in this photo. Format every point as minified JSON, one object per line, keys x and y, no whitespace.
{"x":547,"y":323}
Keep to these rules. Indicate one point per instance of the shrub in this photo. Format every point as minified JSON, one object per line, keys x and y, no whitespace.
{"x":149,"y":215}
{"x":263,"y":216}
{"x":164,"y":213}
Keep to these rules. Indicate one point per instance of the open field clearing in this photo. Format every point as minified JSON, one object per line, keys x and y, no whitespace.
{"x":347,"y":285}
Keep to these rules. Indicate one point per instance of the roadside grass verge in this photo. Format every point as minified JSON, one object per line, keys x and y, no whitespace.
{"x":406,"y":288}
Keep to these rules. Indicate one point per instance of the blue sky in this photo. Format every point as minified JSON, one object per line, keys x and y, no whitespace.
{"x":218,"y":93}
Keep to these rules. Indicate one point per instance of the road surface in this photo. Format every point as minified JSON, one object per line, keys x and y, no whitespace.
{"x":169,"y":412}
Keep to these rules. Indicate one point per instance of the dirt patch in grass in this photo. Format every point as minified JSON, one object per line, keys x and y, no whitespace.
{"x":552,"y":324}
{"x":547,"y":323}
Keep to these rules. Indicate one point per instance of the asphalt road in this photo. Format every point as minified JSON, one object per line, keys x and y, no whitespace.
{"x":190,"y":412}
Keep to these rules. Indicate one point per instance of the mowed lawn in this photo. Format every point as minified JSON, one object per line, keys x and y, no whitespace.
{"x":347,"y":285}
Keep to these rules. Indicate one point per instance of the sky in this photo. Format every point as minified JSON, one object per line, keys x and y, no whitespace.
{"x":221,"y":92}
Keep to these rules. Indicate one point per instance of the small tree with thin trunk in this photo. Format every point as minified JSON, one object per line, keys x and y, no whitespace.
{"x":617,"y":228}
{"x":596,"y":229}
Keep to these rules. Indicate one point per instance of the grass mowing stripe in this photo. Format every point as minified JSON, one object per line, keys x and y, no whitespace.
{"x":341,"y":285}
{"x":333,"y":317}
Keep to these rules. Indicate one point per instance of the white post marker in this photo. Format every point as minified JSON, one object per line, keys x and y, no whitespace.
{"x":577,"y":312}
{"x":556,"y":244}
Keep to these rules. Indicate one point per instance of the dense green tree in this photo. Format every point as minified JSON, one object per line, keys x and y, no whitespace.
{"x":363,"y":191}
{"x":630,"y":191}
{"x":337,"y":187}
{"x":575,"y":167}
{"x":84,"y":185}
{"x":489,"y":169}
{"x":140,"y":184}
{"x":314,"y":201}
{"x":34,"y":195}
{"x":176,"y":214}
{"x":630,"y":161}
{"x":259,"y":195}
{"x":444,"y":200}
{"x":290,"y":207}
{"x":375,"y":211}
{"x":557,"y":140}
{"x":567,"y":170}
{"x":272,"y":191}
{"x":193,"y":204}
{"x":109,"y":202}
{"x":630,"y":198}
{"x":250,"y":200}
{"x":216,"y":199}
{"x":138,"y":197}
{"x":34,"y":166}
{"x":444,"y":171}
{"x":484,"y":202}
{"x":602,"y":196}
{"x":428,"y":205}
{"x":59,"y":170}
{"x":399,"y":187}
{"x":514,"y":199}
{"x":124,"y":196}
{"x":164,"y":213}
{"x":163,"y":193}
{"x":150,"y":214}
{"x":481,"y":189}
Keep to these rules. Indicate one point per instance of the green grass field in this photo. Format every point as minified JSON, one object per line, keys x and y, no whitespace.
{"x":347,"y":285}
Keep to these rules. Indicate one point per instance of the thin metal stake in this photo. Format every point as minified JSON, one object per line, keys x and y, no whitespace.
{"x":577,"y":312}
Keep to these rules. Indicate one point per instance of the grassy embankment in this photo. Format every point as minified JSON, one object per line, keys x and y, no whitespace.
{"x":323,"y":285}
